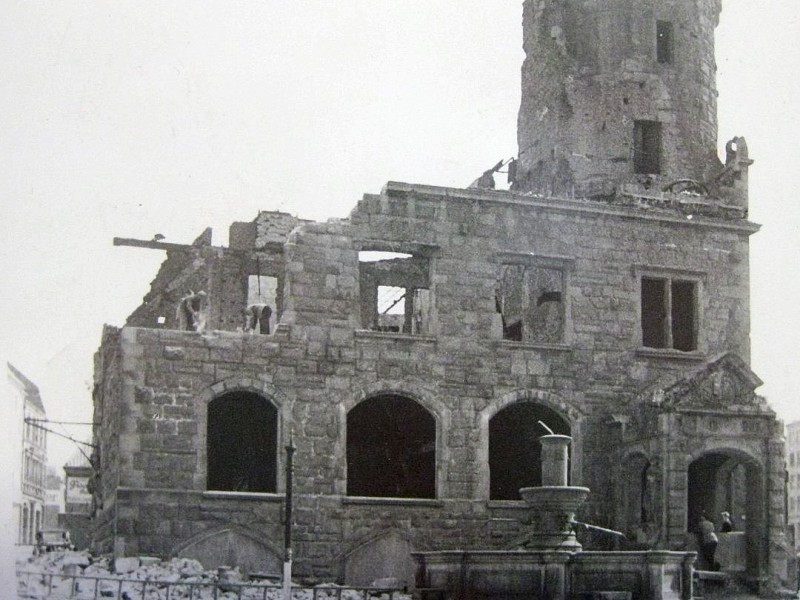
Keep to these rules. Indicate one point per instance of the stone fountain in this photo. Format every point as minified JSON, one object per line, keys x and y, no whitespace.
{"x":553,"y":505}
{"x":550,"y":564}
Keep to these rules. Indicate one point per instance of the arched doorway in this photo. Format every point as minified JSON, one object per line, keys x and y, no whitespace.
{"x":391,"y":449}
{"x":730,"y":481}
{"x":242,"y":443}
{"x":514,"y":448}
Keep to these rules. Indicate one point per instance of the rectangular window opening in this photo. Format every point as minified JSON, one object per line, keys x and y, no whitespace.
{"x":647,"y":147}
{"x":395,"y":295}
{"x":654,"y":302}
{"x":683,"y":316}
{"x":669,"y":314}
{"x":529,"y":299}
{"x":664,"y":42}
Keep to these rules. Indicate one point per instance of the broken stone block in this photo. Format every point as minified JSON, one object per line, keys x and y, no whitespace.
{"x":126,"y":564}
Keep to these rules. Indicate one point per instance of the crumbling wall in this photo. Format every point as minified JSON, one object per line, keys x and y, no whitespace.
{"x":323,"y":360}
{"x":593,"y":70}
{"x":107,"y":458}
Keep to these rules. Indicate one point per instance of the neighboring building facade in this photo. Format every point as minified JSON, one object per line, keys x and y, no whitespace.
{"x":77,"y":499}
{"x":793,"y":480}
{"x":53,"y":498}
{"x":410,"y":351}
{"x":28,"y":476}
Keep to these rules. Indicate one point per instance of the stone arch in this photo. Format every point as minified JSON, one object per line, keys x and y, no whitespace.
{"x":558,"y":405}
{"x":423,"y":395}
{"x":384,"y":555}
{"x":241,"y":384}
{"x":419,"y":392}
{"x":391,"y":448}
{"x":232,"y":545}
{"x":732,"y":479}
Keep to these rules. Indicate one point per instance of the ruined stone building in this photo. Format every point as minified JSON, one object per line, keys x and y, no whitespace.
{"x":410,"y":351}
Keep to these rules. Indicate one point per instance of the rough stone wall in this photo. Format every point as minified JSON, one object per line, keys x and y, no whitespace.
{"x":591,"y":70}
{"x":321,"y":362}
{"x":108,"y":409}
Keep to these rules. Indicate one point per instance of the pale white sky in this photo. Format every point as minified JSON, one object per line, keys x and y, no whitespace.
{"x":123,"y":118}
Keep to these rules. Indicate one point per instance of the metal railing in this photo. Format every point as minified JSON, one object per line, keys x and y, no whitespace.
{"x":82,"y":587}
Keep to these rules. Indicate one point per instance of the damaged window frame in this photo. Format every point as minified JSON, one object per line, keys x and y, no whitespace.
{"x":673,"y":331}
{"x":561,"y":264}
{"x":262,"y":316}
{"x":406,"y":270}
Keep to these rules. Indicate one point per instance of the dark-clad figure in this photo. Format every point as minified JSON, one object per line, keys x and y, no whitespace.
{"x":258,"y":316}
{"x":192,"y":312}
{"x":727,"y":524}
{"x":708,"y":543}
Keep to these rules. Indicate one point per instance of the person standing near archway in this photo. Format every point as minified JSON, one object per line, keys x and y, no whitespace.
{"x":708,"y":543}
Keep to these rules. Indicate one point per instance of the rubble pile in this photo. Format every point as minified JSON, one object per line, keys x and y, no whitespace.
{"x":81,"y":576}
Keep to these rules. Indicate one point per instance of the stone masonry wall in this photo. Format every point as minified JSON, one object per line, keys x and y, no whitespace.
{"x":320,"y":363}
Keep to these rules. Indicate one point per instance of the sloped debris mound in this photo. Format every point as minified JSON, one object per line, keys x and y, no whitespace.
{"x":81,"y":576}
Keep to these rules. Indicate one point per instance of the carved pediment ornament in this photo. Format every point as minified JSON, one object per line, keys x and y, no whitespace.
{"x":721,"y":383}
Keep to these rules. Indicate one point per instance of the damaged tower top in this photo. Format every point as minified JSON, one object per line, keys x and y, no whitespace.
{"x":620,"y":96}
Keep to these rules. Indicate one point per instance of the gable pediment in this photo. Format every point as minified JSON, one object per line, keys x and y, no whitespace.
{"x":723,"y":383}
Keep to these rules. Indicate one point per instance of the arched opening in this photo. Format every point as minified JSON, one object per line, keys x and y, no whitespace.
{"x":242,"y":443}
{"x":726,"y":481}
{"x":514,"y":448}
{"x":391,"y":449}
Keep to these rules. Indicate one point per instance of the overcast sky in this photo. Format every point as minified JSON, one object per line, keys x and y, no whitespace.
{"x":135,"y":118}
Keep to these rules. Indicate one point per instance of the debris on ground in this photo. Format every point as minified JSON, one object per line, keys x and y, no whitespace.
{"x":80,"y":575}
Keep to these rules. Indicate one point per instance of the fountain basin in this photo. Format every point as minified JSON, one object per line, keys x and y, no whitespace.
{"x":552,"y":510}
{"x":556,"y":574}
{"x":555,"y":497}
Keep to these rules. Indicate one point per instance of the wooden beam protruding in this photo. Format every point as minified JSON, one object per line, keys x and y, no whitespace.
{"x":152,"y":244}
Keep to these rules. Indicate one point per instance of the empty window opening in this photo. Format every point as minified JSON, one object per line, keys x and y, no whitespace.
{"x":529,"y":299}
{"x":669,"y":314}
{"x":262,"y":300}
{"x":391,"y":308}
{"x":241,"y":443}
{"x":391,"y":449}
{"x":647,"y":147}
{"x":515,"y":450}
{"x":394,"y":292}
{"x":664,"y":42}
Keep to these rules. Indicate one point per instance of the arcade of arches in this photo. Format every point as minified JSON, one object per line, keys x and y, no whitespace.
{"x":391,"y":446}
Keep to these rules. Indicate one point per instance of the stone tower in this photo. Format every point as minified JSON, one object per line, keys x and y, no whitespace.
{"x":617,"y":92}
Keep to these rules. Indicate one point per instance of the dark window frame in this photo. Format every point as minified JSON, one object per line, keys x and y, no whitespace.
{"x":647,"y":147}
{"x":665,"y":42}
{"x":226,"y":467}
{"x":670,"y":313}
{"x":392,"y":448}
